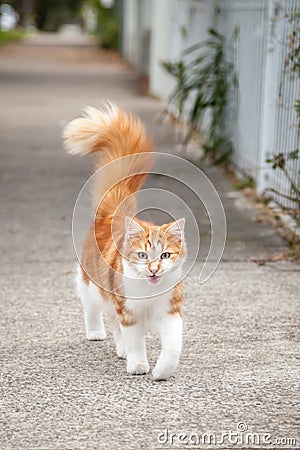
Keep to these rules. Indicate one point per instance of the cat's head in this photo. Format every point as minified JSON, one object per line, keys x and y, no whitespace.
{"x":151,"y":252}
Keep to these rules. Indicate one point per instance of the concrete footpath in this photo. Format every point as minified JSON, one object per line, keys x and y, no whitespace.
{"x":239,"y":368}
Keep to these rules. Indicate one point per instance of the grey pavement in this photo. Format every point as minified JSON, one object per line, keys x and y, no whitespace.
{"x":240,"y":363}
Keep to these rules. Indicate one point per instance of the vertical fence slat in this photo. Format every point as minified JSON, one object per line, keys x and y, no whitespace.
{"x":265,"y":121}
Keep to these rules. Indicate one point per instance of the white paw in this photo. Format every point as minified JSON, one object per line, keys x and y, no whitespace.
{"x":96,"y":335}
{"x":160,"y":373}
{"x":121,"y":351}
{"x":137,"y":367}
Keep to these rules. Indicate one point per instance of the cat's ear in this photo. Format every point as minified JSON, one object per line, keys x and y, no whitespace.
{"x":132,"y":228}
{"x":176,"y":229}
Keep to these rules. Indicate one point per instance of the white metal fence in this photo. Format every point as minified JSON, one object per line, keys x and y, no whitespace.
{"x":261,"y":118}
{"x":244,"y":118}
{"x":263,"y":121}
{"x":286,"y":125}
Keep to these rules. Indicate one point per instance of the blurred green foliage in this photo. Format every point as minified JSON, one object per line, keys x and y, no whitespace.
{"x":108,"y":24}
{"x":11,"y":35}
{"x":50,"y":15}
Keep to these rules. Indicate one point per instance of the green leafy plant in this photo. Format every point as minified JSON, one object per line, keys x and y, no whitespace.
{"x":204,"y":77}
{"x":247,"y":182}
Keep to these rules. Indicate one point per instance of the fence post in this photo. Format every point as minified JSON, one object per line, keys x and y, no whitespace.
{"x":269,"y":100}
{"x":160,"y":49}
{"x":129,"y":32}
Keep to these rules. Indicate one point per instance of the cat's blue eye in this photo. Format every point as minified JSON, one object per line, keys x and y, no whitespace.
{"x":165,"y":255}
{"x":142,"y":255}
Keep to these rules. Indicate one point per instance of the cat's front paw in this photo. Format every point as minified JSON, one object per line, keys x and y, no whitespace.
{"x":137,"y":367}
{"x":161,"y":373}
{"x":121,"y":351}
{"x":96,"y":335}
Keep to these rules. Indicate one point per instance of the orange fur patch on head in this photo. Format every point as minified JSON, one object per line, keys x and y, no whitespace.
{"x":153,"y":237}
{"x":175,"y":241}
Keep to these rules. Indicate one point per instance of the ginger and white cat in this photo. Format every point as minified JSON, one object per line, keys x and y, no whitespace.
{"x":129,"y":268}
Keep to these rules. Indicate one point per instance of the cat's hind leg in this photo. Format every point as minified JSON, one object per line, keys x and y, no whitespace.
{"x":92,"y":304}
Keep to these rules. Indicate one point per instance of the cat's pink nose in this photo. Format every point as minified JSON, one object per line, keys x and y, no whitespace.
{"x":153,"y":271}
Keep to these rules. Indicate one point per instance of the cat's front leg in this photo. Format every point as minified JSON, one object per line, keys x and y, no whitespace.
{"x":135,"y":347}
{"x":170,"y":330}
{"x":118,"y":338}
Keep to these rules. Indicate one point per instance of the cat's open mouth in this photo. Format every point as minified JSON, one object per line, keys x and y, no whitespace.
{"x":153,"y":279}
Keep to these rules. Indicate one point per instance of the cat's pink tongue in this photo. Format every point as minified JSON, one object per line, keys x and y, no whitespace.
{"x":154,"y":279}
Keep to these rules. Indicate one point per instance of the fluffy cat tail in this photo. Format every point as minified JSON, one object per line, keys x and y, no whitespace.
{"x":113,"y":135}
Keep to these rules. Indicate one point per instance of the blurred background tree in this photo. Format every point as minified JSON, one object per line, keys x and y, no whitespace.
{"x":50,"y":15}
{"x":108,"y":22}
{"x":23,"y":8}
